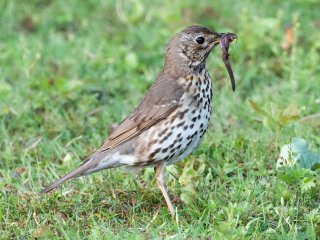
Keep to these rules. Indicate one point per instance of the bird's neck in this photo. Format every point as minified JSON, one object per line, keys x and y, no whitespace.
{"x":179,"y":68}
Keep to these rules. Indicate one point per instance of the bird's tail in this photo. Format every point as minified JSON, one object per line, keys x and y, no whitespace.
{"x":94,"y":163}
{"x":75,"y":173}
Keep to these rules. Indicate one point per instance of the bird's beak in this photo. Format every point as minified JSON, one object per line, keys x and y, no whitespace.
{"x":215,"y":38}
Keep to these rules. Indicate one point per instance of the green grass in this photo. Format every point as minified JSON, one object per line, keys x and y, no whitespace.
{"x":70,"y":69}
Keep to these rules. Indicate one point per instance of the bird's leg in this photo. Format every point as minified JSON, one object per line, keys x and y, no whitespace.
{"x":160,"y":170}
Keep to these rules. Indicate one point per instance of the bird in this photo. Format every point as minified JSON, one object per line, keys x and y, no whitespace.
{"x":171,"y":119}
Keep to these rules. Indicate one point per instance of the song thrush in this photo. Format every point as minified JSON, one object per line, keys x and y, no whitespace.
{"x":170,"y":121}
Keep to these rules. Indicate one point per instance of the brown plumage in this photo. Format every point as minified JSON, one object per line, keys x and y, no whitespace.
{"x":171,"y":119}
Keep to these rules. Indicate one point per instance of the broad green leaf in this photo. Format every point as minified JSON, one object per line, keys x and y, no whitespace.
{"x":311,"y":120}
{"x":268,"y":120}
{"x":189,"y":179}
{"x":297,"y":152}
{"x":271,"y":120}
{"x":291,"y":113}
{"x":308,"y":183}
{"x":188,"y":193}
{"x":292,"y":175}
{"x":256,"y":107}
{"x":275,"y":118}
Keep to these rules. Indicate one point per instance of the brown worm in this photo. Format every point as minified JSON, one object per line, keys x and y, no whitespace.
{"x":224,"y":44}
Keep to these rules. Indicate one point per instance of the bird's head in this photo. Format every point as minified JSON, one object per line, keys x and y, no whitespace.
{"x":191,"y":47}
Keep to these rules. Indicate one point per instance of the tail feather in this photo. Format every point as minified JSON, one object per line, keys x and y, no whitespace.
{"x":75,"y":173}
{"x":92,"y":164}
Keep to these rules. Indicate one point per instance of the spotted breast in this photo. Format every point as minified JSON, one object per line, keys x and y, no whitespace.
{"x":176,"y":137}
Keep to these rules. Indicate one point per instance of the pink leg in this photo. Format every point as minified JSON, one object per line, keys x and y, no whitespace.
{"x":160,"y":170}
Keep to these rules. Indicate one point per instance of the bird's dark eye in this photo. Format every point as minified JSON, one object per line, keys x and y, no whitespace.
{"x":200,"y":40}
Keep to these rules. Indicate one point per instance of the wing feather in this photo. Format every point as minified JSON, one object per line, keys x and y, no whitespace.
{"x":160,"y":102}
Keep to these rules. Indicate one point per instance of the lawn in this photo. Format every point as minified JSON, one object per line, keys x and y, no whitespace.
{"x":70,"y":70}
